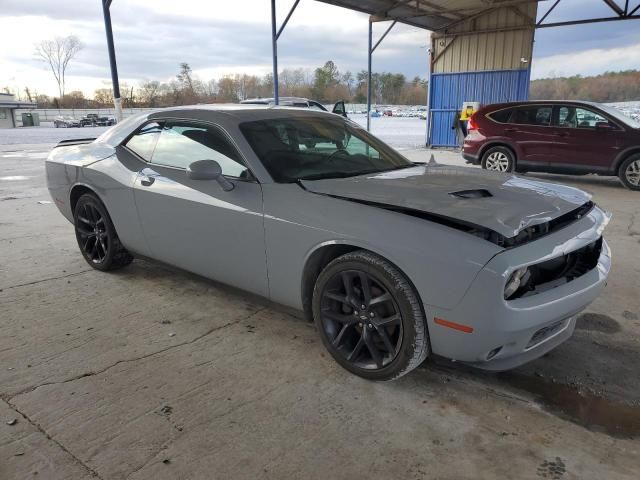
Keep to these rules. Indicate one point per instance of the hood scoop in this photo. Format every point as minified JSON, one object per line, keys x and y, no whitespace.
{"x":480,"y":193}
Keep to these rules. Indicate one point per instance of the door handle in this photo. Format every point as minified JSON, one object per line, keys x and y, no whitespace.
{"x":146,"y":181}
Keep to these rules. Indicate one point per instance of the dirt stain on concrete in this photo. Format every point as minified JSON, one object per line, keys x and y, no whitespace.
{"x":580,"y":406}
{"x":597,"y":322}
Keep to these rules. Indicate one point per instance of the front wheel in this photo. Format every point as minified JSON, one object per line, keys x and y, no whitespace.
{"x":369,"y":317}
{"x":498,"y":159}
{"x":96,"y":235}
{"x":629,"y":172}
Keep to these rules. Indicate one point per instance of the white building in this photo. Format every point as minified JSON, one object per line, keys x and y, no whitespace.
{"x":8,"y":106}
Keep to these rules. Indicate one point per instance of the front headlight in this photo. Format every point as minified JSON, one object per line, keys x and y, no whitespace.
{"x":515,"y":282}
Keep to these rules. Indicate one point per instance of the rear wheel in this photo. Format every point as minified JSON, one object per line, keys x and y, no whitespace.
{"x":96,"y":235}
{"x":369,"y":317}
{"x":629,"y":172}
{"x":498,"y":159}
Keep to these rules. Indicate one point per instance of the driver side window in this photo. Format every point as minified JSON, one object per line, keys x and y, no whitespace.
{"x":181,"y":143}
{"x":576,"y":117}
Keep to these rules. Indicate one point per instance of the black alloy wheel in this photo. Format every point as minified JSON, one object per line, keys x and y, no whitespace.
{"x":369,"y":317}
{"x":362,"y":319}
{"x":92,"y":232}
{"x":96,"y":235}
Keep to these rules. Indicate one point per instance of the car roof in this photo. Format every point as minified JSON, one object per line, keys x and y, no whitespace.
{"x":256,"y":101}
{"x":496,"y":106}
{"x":242,"y":112}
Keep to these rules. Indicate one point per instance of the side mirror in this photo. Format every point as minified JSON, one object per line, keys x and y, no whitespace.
{"x":208,"y":170}
{"x":340,"y":109}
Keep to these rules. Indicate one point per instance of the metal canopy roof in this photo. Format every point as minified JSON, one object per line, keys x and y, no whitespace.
{"x":435,"y":15}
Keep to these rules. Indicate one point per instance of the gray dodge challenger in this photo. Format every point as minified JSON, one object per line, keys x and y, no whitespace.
{"x":394,"y":261}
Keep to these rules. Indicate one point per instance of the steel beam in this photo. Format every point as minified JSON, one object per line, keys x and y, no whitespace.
{"x":117,"y":102}
{"x":370,"y":49}
{"x":274,"y":47}
{"x":548,"y":12}
{"x":591,"y":20}
{"x":614,"y":6}
{"x":286,"y":20}
{"x":383,"y":35}
{"x":275,"y":35}
{"x":369,"y":52}
{"x":478,"y":32}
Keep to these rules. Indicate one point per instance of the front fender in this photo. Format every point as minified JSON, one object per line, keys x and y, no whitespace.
{"x":441,"y":262}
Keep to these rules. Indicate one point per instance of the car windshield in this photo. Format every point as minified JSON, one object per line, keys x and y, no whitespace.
{"x":618,"y":115}
{"x":317,"y":147}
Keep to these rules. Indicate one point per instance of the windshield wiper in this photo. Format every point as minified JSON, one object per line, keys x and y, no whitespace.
{"x":322,"y":176}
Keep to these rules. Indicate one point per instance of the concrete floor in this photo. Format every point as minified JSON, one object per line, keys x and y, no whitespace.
{"x":155,"y":373}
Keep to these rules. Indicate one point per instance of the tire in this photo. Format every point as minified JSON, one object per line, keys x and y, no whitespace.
{"x":629,"y":172}
{"x":96,"y":235}
{"x":498,"y":159}
{"x":352,"y":334}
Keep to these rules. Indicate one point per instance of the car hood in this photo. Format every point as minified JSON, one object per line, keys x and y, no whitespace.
{"x":504,"y":203}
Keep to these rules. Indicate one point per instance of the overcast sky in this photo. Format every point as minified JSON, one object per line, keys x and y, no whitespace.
{"x":153,"y":36}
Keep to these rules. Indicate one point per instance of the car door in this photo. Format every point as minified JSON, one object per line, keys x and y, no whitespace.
{"x":530,"y":131}
{"x":340,"y":108}
{"x":195,"y":224}
{"x":587,"y":140}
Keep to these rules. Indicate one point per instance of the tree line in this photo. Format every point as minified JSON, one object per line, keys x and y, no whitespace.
{"x":607,"y":87}
{"x":325,"y":84}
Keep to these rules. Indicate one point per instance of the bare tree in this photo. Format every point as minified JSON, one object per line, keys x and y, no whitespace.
{"x":149,"y":92}
{"x":58,"y":53}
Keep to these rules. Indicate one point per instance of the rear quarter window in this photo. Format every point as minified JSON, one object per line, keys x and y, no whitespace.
{"x":501,"y":116}
{"x":532,"y":115}
{"x":144,"y":140}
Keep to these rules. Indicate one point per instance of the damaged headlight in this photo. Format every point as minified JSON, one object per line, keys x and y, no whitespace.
{"x":517,"y":279}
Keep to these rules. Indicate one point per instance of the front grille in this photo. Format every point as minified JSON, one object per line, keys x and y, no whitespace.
{"x":560,"y":270}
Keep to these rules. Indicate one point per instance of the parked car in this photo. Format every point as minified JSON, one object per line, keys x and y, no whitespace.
{"x":66,"y":121}
{"x":558,"y":137}
{"x":299,"y":102}
{"x":394,"y":261}
{"x":95,"y":120}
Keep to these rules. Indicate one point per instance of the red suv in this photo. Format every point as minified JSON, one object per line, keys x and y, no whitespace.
{"x":556,"y":137}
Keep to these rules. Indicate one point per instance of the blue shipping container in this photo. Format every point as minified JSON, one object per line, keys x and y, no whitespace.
{"x":448,"y":91}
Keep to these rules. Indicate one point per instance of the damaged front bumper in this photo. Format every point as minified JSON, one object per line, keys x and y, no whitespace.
{"x":501,"y":334}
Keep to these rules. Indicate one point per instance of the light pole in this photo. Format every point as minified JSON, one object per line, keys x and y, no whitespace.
{"x":117,"y":101}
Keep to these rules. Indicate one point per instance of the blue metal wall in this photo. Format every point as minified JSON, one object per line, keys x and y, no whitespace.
{"x":447,"y":92}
